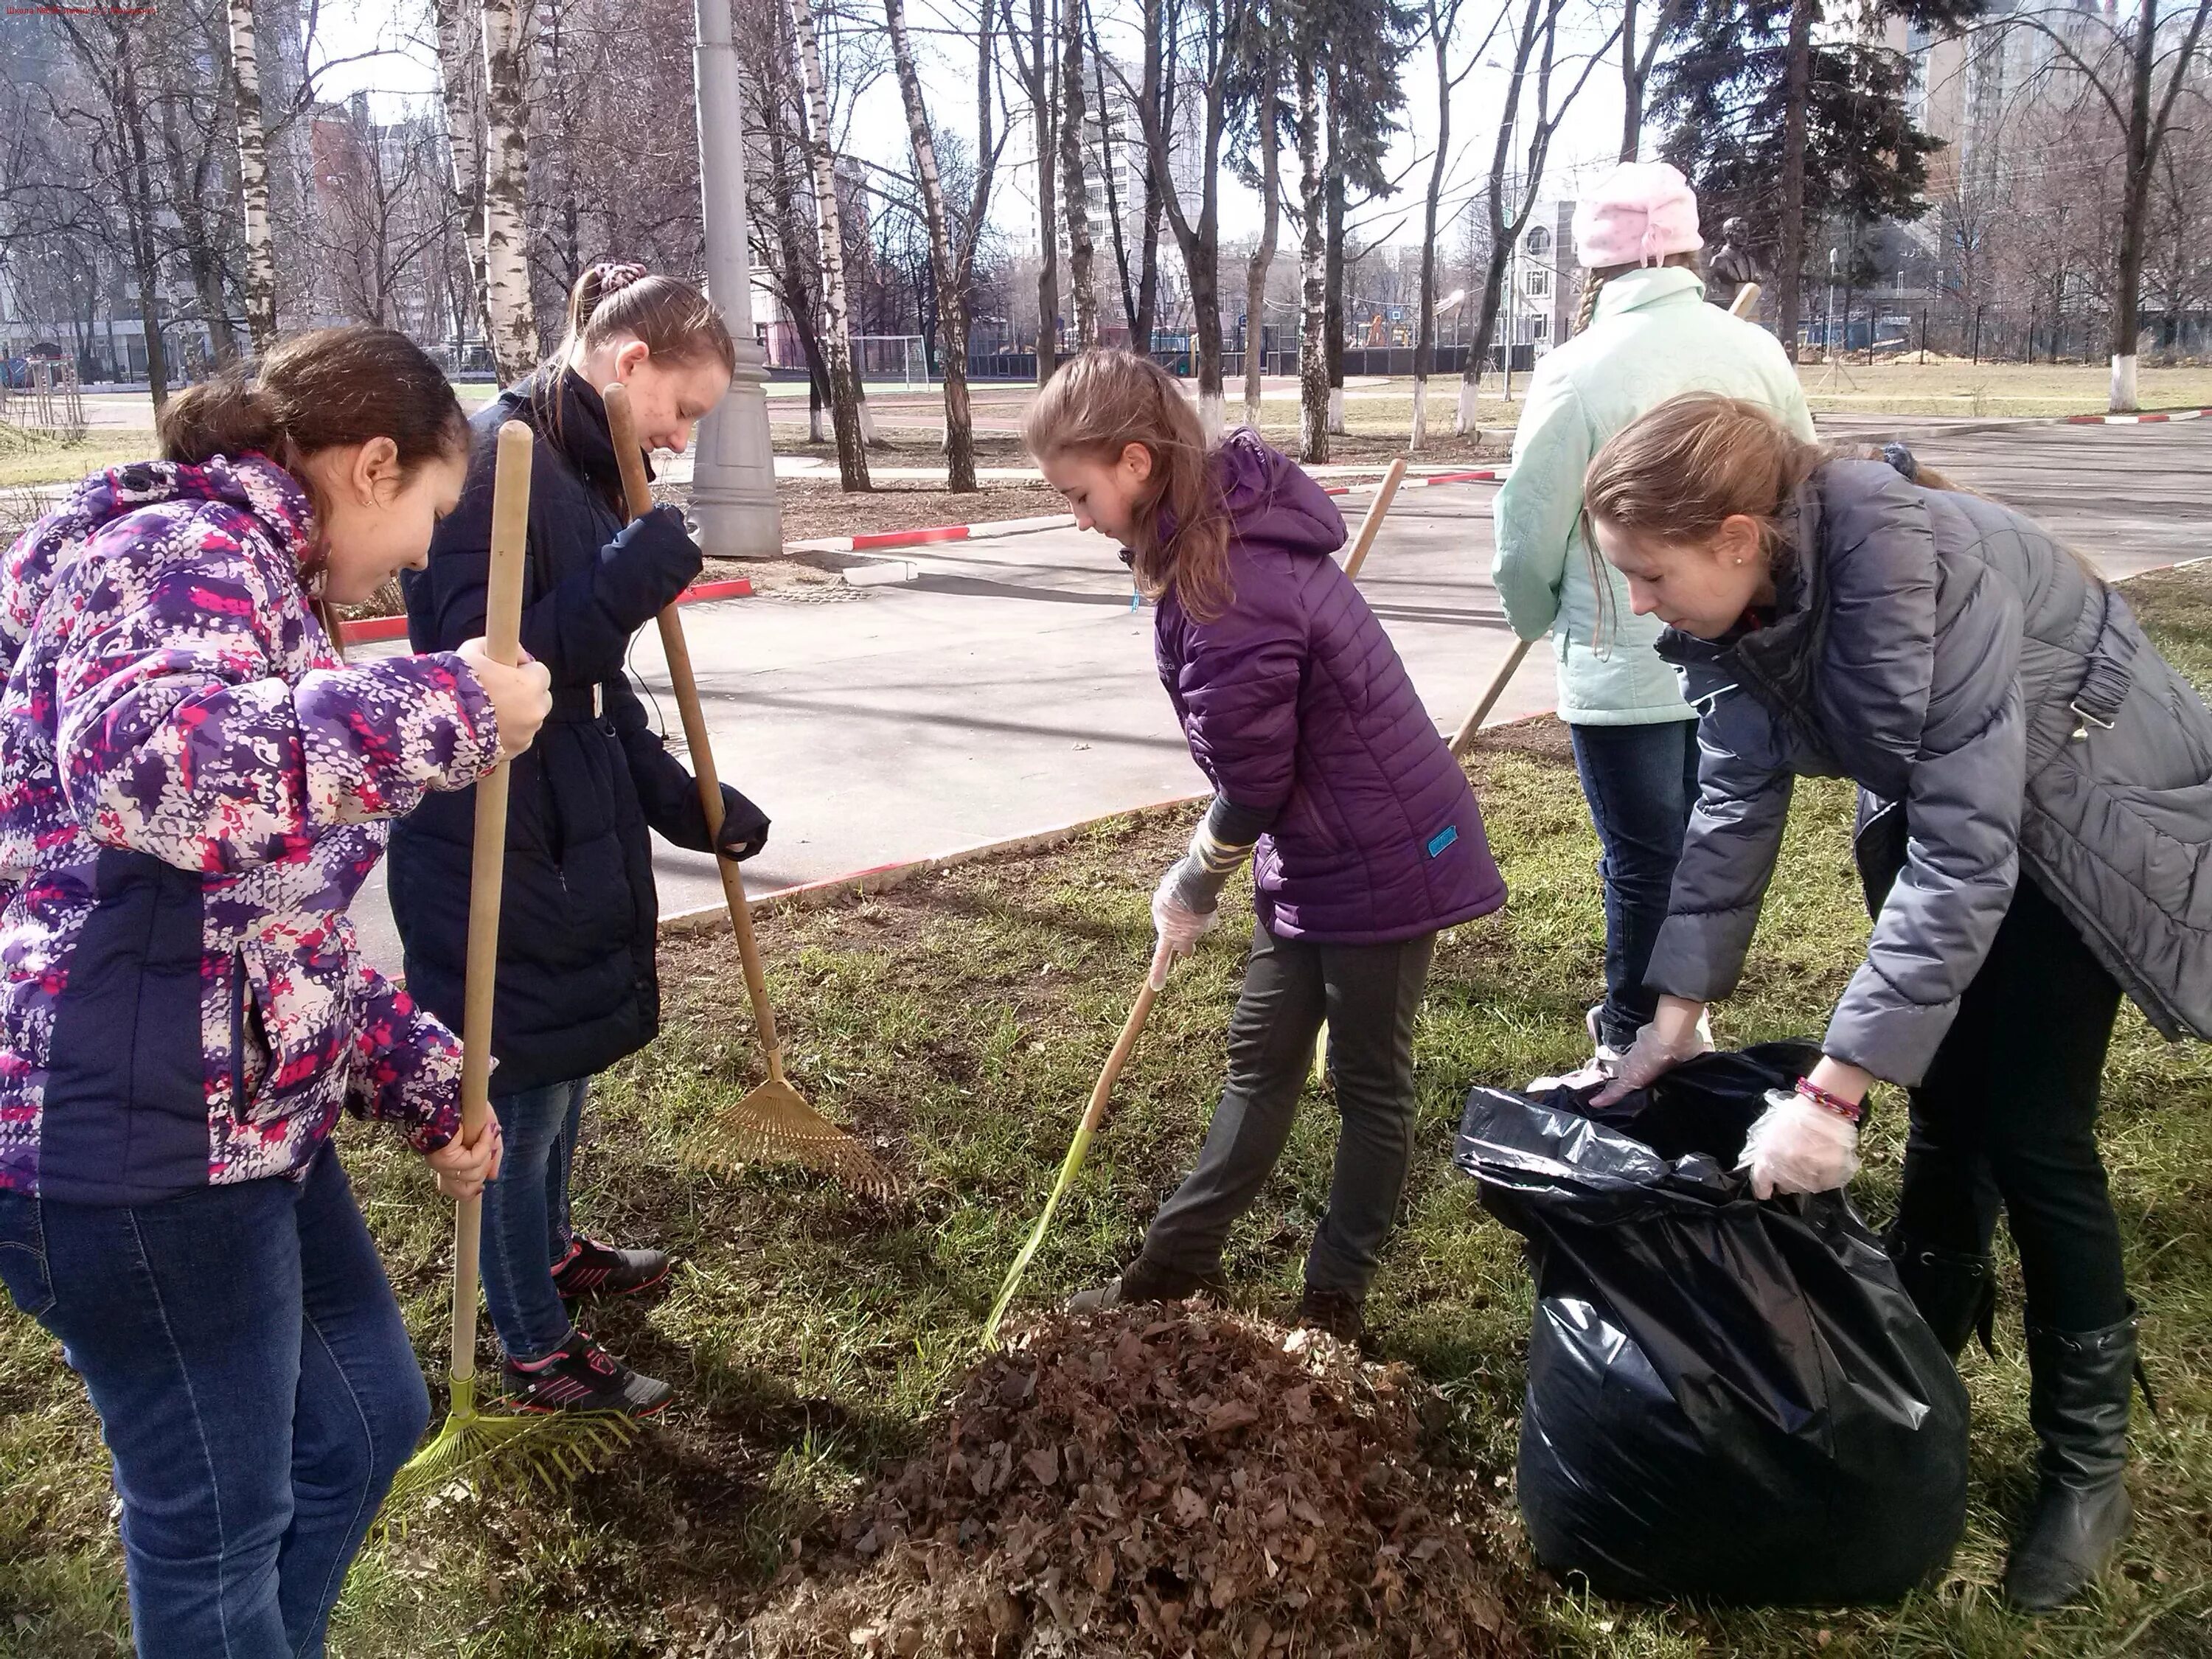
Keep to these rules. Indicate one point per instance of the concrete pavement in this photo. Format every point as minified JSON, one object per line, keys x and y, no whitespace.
{"x":1009,"y":688}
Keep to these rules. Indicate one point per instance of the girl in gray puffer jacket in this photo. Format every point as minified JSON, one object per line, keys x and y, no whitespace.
{"x":2035,"y":836}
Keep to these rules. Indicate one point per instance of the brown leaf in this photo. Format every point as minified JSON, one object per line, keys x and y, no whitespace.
{"x":1043,"y":1465}
{"x":1298,"y":1404}
{"x":1100,"y":1573}
{"x":1231,"y":1414}
{"x":1187,"y":1507}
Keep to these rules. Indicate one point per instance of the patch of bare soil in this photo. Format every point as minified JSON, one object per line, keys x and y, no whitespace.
{"x":820,"y":506}
{"x":1165,"y":1480}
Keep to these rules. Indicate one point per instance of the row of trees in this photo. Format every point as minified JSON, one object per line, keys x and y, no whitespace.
{"x":183,"y":160}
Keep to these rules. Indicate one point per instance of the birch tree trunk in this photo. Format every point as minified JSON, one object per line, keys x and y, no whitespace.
{"x":837,"y":336}
{"x":1313,"y":362}
{"x":1263,"y":256}
{"x":513,"y":321}
{"x":1075,"y":191}
{"x":456,"y":75}
{"x":1148,"y":257}
{"x":1332,"y":340}
{"x":952,"y":294}
{"x":253,"y":180}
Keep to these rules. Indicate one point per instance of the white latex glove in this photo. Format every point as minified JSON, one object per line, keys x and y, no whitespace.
{"x":1678,"y":1032}
{"x":1799,"y":1147}
{"x":1179,"y":926}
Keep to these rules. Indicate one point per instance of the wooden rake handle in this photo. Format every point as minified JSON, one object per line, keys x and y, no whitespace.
{"x":1079,"y":1149}
{"x":1480,"y":712}
{"x":1747,"y":298}
{"x":1373,"y":521}
{"x":510,"y":536}
{"x":621,"y":427}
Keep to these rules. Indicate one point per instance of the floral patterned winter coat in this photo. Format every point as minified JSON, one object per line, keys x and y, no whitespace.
{"x":191,"y":790}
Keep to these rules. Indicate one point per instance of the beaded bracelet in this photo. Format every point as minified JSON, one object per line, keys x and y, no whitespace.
{"x":1849,"y":1111}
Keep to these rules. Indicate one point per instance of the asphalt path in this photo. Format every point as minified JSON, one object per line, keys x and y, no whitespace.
{"x":1008,"y":687}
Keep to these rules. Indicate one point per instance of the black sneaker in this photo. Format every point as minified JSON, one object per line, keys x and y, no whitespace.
{"x":1339,"y":1312}
{"x":592,"y":1268}
{"x":581,"y":1375}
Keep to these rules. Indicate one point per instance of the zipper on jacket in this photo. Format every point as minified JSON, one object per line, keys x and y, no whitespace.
{"x":238,"y":1035}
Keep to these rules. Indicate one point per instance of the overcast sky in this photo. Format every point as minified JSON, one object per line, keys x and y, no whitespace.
{"x":398,"y":74}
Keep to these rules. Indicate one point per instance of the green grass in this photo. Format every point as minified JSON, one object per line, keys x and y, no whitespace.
{"x":34,"y":457}
{"x":811,"y":1336}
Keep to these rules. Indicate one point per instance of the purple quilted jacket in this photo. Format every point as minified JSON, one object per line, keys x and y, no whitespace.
{"x":1294,"y":702}
{"x":191,"y":790}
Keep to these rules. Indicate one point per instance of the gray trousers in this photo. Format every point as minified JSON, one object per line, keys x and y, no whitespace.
{"x":1368,"y":994}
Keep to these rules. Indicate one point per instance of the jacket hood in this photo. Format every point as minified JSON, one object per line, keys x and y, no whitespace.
{"x":1272,"y":503}
{"x":252,"y":484}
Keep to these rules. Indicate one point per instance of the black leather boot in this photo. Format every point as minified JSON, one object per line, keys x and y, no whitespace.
{"x":1956,"y":1294}
{"x":1143,"y":1280}
{"x":2078,"y":1389}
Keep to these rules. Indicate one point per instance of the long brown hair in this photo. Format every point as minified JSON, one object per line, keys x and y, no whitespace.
{"x":1678,"y":471}
{"x":1598,"y":276}
{"x":1103,"y":401}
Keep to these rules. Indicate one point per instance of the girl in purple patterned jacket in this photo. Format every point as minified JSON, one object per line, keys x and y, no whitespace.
{"x":193,"y":785}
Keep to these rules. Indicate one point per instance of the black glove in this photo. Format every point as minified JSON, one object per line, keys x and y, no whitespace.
{"x":653,"y":560}
{"x":744,"y":827}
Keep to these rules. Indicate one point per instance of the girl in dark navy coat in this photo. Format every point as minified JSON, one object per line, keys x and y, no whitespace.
{"x":576,"y":989}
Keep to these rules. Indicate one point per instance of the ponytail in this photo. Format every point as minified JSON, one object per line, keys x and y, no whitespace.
{"x":226,"y":413}
{"x":327,"y":390}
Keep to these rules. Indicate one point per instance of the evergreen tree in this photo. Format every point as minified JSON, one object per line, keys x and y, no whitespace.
{"x":1785,"y":129}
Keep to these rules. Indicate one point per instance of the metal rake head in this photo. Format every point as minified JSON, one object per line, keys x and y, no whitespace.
{"x":775,"y":1125}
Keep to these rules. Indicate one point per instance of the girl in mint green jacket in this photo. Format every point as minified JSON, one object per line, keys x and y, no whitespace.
{"x":1646,"y":334}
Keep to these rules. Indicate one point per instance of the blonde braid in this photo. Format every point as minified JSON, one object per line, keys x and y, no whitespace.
{"x":1592,"y":281}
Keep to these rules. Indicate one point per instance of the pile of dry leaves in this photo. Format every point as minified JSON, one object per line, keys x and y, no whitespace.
{"x":1151,"y":1480}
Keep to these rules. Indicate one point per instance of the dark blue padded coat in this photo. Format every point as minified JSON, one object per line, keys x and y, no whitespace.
{"x":577,"y":989}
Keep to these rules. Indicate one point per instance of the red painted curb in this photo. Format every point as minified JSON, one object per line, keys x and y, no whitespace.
{"x":2151,"y":419}
{"x":1486,"y":476}
{"x":737,"y":587}
{"x":376,"y":629}
{"x":943,"y":532}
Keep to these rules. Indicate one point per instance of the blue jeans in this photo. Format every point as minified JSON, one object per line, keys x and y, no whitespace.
{"x":526,"y":1217}
{"x":254,"y":1387}
{"x":1641,"y":782}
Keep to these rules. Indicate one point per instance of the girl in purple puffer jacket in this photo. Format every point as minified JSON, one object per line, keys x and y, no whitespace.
{"x":1328,"y":772}
{"x":193,"y":785}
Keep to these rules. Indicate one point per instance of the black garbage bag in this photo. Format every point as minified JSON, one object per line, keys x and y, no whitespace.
{"x":1727,"y":1399}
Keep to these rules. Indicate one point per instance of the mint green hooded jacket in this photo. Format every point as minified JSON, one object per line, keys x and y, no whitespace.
{"x":1653,"y":336}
